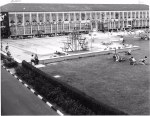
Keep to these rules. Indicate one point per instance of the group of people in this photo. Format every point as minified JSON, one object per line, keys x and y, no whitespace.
{"x":142,"y":61}
{"x":34,"y":59}
{"x":132,"y":60}
{"x":118,"y":58}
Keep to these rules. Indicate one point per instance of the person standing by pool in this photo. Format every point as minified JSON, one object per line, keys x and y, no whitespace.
{"x":7,"y":47}
{"x":32,"y":59}
{"x":36,"y":60}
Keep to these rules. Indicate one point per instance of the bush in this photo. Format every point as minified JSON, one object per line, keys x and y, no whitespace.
{"x":20,"y":71}
{"x":50,"y":91}
{"x":8,"y":61}
{"x":3,"y":56}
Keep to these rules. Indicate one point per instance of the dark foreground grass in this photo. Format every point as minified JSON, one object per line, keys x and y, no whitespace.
{"x":120,"y":85}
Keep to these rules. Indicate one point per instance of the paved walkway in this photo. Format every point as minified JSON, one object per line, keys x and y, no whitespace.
{"x":16,"y":99}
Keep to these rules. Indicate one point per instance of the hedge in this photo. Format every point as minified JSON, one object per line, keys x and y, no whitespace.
{"x":68,"y":92}
{"x":52,"y":93}
{"x":8,"y":61}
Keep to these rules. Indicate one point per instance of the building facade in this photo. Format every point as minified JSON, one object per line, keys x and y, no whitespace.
{"x":22,"y":22}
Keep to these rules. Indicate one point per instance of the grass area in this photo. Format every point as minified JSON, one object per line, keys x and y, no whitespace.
{"x":120,"y":85}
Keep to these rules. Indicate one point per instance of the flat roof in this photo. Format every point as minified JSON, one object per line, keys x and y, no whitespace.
{"x":44,"y":7}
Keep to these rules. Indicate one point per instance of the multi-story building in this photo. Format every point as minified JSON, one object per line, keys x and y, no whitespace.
{"x":28,"y":19}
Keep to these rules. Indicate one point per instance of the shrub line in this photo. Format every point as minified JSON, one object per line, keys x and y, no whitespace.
{"x":33,"y":91}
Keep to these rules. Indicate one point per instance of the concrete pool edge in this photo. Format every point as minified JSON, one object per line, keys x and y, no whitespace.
{"x":82,"y":55}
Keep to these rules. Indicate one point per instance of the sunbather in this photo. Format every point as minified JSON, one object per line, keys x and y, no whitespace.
{"x":132,"y":61}
{"x":143,"y":61}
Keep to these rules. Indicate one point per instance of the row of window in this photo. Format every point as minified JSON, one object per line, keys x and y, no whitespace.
{"x":19,"y":18}
{"x":20,"y":30}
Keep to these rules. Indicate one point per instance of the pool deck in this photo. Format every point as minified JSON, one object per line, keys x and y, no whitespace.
{"x":22,"y":49}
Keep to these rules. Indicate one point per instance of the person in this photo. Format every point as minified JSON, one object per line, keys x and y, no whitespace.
{"x":128,"y":52}
{"x":32,"y":59}
{"x":143,"y":61}
{"x":123,"y":41}
{"x":8,"y":54}
{"x":36,"y":60}
{"x":121,"y":59}
{"x":116,"y":57}
{"x":6,"y":48}
{"x":132,"y":61}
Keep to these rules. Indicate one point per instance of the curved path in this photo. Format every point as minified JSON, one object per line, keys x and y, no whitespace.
{"x":16,"y":99}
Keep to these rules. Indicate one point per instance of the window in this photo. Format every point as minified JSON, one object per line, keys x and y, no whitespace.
{"x":41,"y":17}
{"x":48,"y":29}
{"x":60,"y":27}
{"x":112,"y":15}
{"x":54,"y":27}
{"x":47,"y":17}
{"x":12,"y":19}
{"x":140,"y":22}
{"x":137,"y":15}
{"x":34,"y":17}
{"x":144,"y":15}
{"x":66,"y":17}
{"x":102,"y":15}
{"x":140,"y":14}
{"x":98,"y":15}
{"x":88,"y":26}
{"x":116,"y":15}
{"x":53,"y":17}
{"x":26,"y":19}
{"x":19,"y":19}
{"x":93,"y":15}
{"x":77,"y":16}
{"x":71,"y":16}
{"x":82,"y":26}
{"x":121,"y":15}
{"x":129,"y":15}
{"x":72,"y":25}
{"x":133,"y":14}
{"x":78,"y":26}
{"x":82,"y":16}
{"x":66,"y":27}
{"x":60,"y":17}
{"x":125,"y":15}
{"x":27,"y":29}
{"x":87,"y":16}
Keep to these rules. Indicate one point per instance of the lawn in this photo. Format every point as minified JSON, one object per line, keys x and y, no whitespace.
{"x":120,"y":85}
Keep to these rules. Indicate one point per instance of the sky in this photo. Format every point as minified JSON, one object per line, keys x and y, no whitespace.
{"x":2,"y":2}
